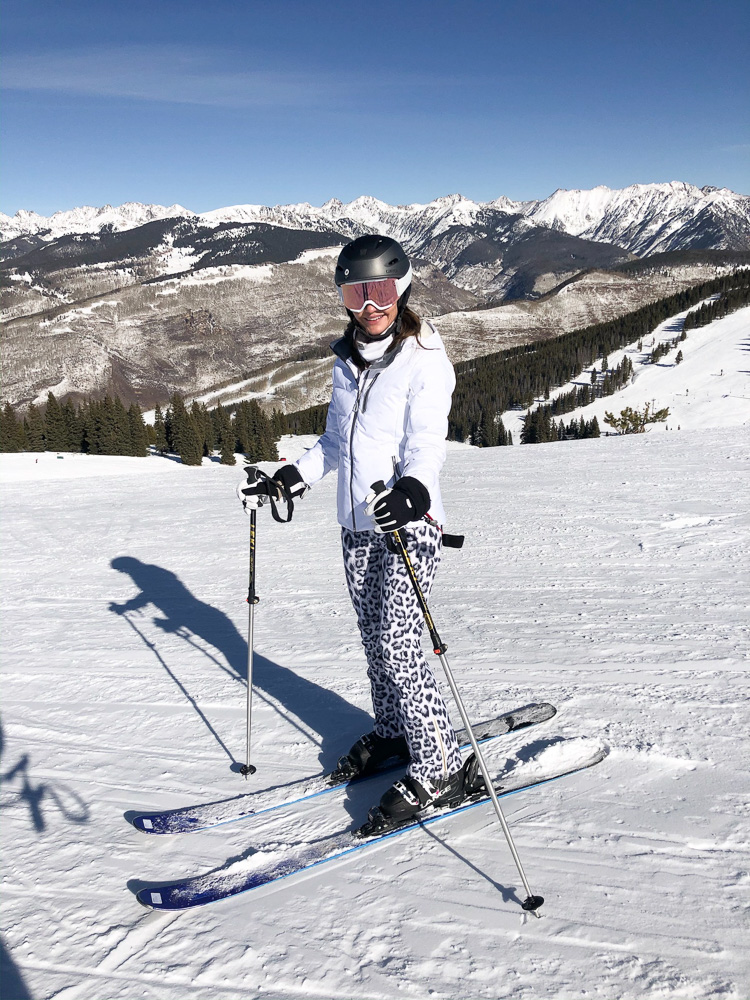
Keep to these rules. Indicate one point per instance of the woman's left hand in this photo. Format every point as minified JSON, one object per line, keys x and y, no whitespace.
{"x":407,"y":501}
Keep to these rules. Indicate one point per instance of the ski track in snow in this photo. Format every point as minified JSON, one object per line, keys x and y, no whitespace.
{"x":608,"y":576}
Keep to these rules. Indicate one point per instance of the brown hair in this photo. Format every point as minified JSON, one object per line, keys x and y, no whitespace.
{"x":410,"y":326}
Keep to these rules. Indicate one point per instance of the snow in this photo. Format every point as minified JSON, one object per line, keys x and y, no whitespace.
{"x":608,"y":576}
{"x":643,"y":217}
{"x":178,"y":261}
{"x":709,"y":388}
{"x":646,"y":218}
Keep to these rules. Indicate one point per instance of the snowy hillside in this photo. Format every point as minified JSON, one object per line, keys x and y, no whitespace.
{"x":87,"y":219}
{"x":708,"y":388}
{"x":648,"y":218}
{"x":642,"y":218}
{"x":607,"y":576}
{"x":144,"y":300}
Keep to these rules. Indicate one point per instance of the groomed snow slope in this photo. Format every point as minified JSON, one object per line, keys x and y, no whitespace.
{"x":608,"y":576}
{"x":710,"y":387}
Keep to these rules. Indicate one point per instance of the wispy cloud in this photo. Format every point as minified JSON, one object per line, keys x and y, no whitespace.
{"x":167,"y":73}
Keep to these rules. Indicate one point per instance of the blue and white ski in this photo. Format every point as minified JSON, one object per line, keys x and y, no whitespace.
{"x":201,"y":817}
{"x":274,"y":862}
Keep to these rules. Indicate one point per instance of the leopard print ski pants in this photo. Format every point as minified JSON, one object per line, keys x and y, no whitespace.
{"x":405,"y":695}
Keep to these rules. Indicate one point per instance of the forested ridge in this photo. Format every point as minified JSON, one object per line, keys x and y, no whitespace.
{"x":486,"y":387}
{"x":514,"y":378}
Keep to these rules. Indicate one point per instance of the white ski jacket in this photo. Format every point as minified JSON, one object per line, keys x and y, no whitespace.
{"x":388,"y":421}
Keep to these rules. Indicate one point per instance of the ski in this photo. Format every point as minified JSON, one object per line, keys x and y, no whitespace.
{"x":201,"y":817}
{"x":273,"y":862}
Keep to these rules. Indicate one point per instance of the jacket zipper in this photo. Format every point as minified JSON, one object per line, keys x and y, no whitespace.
{"x":363,"y":393}
{"x":351,"y":448}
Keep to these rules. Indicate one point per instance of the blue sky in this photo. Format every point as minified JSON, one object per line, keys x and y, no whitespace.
{"x":215,"y":103}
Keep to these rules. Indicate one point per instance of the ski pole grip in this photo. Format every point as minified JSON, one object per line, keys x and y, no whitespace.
{"x":378,"y":487}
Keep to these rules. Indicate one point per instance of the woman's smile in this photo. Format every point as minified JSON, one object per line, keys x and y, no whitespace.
{"x":376,"y":321}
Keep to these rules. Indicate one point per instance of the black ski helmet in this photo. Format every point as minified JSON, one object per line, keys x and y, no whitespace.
{"x":371,"y":257}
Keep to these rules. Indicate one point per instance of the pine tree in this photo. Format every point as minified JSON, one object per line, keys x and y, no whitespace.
{"x":503,"y":437}
{"x":55,"y":433}
{"x":204,"y":425}
{"x":278,"y":424}
{"x":188,"y":441}
{"x":191,"y":444}
{"x":254,"y":434}
{"x":225,"y":435}
{"x":11,"y":431}
{"x":33,"y":426}
{"x":160,"y":431}
{"x":137,"y":432}
{"x":72,"y":425}
{"x":122,"y":439}
{"x":633,"y":421}
{"x":177,"y":418}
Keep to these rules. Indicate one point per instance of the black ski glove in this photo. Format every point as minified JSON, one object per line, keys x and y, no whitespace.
{"x":258,"y":488}
{"x":407,"y":501}
{"x":291,"y":481}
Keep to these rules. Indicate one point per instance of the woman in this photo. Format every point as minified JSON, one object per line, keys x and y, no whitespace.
{"x":387,"y":421}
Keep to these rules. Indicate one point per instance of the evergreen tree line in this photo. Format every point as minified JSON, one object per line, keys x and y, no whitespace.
{"x":105,"y":427}
{"x":539,"y":427}
{"x":538,"y":423}
{"x":196,"y":432}
{"x":514,"y":378}
{"x":95,"y":427}
{"x":309,"y":421}
{"x":729,"y":300}
{"x":665,"y":346}
{"x":603,"y":383}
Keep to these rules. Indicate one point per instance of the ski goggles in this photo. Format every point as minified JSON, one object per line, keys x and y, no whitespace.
{"x":382,"y":294}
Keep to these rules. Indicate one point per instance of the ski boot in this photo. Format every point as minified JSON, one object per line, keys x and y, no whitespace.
{"x":408,"y":798}
{"x":370,"y":754}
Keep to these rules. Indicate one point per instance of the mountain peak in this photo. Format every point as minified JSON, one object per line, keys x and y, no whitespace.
{"x":642,"y":218}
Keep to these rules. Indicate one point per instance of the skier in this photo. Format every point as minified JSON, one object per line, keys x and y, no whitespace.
{"x":387,"y":421}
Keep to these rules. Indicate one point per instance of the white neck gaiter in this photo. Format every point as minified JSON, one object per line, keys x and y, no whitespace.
{"x":372,"y":350}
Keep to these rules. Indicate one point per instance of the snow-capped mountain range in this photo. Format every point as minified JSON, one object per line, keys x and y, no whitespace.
{"x":643,"y":218}
{"x":145,"y":299}
{"x":86,"y":220}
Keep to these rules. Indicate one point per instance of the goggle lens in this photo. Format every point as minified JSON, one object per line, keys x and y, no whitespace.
{"x":381,"y":294}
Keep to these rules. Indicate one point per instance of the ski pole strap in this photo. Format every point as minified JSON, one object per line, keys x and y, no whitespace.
{"x":449,"y":541}
{"x":274,"y":502}
{"x":274,"y":489}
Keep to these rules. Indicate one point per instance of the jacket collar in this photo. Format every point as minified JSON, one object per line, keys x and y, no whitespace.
{"x":344,"y":348}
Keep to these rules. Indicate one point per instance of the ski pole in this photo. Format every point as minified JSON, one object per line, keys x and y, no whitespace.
{"x":531,"y":902}
{"x":272,"y":492}
{"x":252,"y":599}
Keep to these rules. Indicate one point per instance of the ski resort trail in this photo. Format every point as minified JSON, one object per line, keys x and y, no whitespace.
{"x":608,"y":576}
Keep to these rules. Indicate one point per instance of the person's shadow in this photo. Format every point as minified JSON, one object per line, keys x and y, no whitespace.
{"x":335,"y":720}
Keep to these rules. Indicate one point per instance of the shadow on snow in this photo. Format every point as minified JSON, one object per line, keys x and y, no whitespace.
{"x":38,"y":797}
{"x":337,"y":722}
{"x":13,"y":986}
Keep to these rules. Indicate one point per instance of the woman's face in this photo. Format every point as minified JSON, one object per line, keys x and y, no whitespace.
{"x":376,"y":321}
